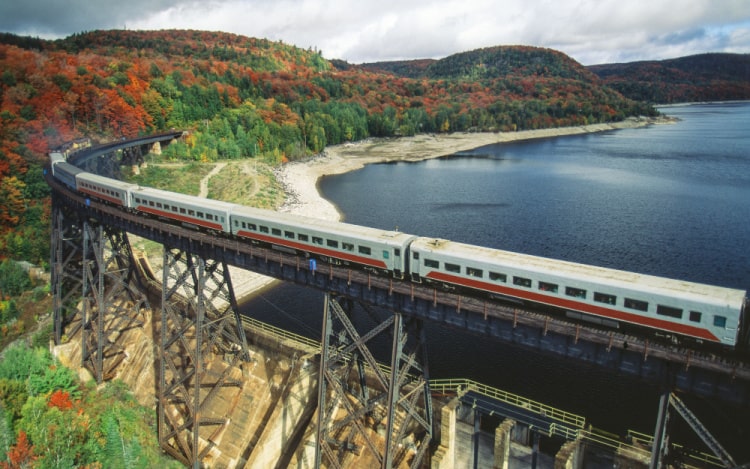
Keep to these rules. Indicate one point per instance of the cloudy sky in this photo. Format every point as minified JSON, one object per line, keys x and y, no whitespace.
{"x":590,"y":31}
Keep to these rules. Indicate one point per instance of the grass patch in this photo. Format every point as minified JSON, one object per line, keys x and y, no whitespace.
{"x":247,"y":183}
{"x":182,"y":178}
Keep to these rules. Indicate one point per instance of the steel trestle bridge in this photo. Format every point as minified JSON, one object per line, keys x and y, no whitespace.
{"x":98,"y":291}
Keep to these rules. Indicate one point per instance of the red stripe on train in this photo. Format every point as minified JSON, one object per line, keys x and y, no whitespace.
{"x":102,"y":196}
{"x":314,"y":249}
{"x":182,"y":218}
{"x":577,"y":306}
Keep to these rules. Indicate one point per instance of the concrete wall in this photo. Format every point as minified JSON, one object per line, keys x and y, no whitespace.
{"x":286,"y":425}
{"x":502,"y":444}
{"x":445,"y":455}
{"x":570,"y":456}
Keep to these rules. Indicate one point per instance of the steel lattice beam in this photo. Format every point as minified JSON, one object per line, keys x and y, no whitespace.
{"x":199,"y":319}
{"x":65,"y":261}
{"x":112,"y":300}
{"x":395,"y":399}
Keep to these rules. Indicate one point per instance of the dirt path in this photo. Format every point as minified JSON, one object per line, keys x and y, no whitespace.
{"x":204,"y":182}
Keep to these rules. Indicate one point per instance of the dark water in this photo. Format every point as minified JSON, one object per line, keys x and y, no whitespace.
{"x":670,"y":200}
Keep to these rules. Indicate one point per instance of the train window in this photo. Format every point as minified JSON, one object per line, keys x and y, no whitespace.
{"x":397,"y":252}
{"x":289,"y":234}
{"x":415,"y":255}
{"x":720,"y":321}
{"x":251,"y":226}
{"x":332,"y":243}
{"x":347,"y":246}
{"x":209,"y":216}
{"x":605,"y":298}
{"x":550,"y":287}
{"x":452,"y":267}
{"x":364,"y":250}
{"x":474,"y":272}
{"x":576,"y":292}
{"x":174,"y":209}
{"x":498,"y":277}
{"x":522,"y":282}
{"x":182,"y":210}
{"x":191,"y":212}
{"x":302,"y":237}
{"x":386,"y":254}
{"x":431,"y":263}
{"x":317,"y":240}
{"x":200,"y":214}
{"x":275,"y":231}
{"x":669,"y":311}
{"x":151,"y":203}
{"x":264,"y":229}
{"x":636,"y":304}
{"x":695,"y":316}
{"x":158,"y":205}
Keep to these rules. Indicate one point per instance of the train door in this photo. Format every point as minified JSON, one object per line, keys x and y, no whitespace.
{"x":398,"y":263}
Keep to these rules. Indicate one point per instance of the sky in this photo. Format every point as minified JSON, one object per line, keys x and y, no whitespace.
{"x":358,"y":31}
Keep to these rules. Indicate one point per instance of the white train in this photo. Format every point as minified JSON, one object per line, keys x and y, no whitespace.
{"x":613,"y":298}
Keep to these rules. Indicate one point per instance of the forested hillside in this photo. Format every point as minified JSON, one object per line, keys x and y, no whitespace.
{"x":253,"y":98}
{"x":703,"y":77}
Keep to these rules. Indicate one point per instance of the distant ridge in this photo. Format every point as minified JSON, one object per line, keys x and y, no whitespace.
{"x":702,"y":77}
{"x":489,"y":63}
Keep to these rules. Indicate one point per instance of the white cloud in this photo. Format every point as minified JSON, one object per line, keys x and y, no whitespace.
{"x":591,"y":31}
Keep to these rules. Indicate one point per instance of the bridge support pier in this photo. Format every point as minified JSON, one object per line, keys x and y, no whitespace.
{"x":112,"y":299}
{"x":385,"y":411}
{"x":199,"y":322}
{"x":94,"y":288}
{"x":661,"y":445}
{"x":66,"y":281}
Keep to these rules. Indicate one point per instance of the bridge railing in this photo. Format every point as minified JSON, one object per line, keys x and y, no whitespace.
{"x":281,"y":335}
{"x":461,"y":386}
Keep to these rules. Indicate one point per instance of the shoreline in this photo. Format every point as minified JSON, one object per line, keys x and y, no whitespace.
{"x":300,"y":178}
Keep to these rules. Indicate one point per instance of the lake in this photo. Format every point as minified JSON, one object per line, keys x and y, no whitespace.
{"x":670,"y":200}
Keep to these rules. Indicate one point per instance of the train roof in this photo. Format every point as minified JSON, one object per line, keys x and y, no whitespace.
{"x":583,"y":272}
{"x":68,"y":168}
{"x":56,"y":157}
{"x":326,"y":226}
{"x":182,"y":198}
{"x":114,"y":183}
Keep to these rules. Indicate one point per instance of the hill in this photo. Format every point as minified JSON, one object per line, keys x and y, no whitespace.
{"x":245,"y":97}
{"x":703,"y":77}
{"x":490,"y":63}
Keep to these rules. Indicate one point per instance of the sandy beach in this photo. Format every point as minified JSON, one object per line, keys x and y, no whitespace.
{"x":300,"y":178}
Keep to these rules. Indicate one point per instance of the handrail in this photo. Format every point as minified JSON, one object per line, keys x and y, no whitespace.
{"x":461,"y":386}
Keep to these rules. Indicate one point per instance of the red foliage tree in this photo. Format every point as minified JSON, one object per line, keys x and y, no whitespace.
{"x":20,"y":455}
{"x":60,"y":399}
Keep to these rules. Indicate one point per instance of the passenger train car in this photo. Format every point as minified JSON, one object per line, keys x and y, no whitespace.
{"x":608,"y":297}
{"x":340,"y":243}
{"x":184,"y":209}
{"x":594,"y":294}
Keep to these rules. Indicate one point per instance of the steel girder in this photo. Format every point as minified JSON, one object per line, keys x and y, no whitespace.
{"x":363,"y":405}
{"x":112,"y":299}
{"x":199,"y":320}
{"x":65,"y":272}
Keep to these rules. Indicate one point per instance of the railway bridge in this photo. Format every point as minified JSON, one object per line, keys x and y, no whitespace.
{"x":98,"y":292}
